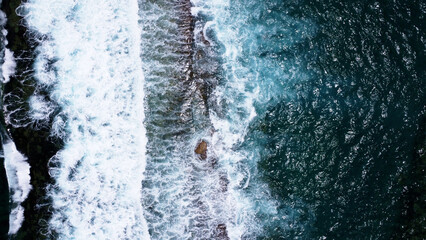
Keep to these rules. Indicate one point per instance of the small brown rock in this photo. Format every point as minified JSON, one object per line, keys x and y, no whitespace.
{"x":202,"y":149}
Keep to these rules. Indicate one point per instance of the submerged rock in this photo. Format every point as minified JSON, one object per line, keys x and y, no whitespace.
{"x":204,"y":39}
{"x":201,"y":149}
{"x":221,"y":232}
{"x":223,"y":182}
{"x":213,"y":162}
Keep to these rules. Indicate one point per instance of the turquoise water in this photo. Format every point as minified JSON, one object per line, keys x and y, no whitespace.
{"x":312,"y":114}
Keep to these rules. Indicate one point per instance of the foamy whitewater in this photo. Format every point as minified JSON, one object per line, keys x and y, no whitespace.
{"x":15,"y":164}
{"x":248,"y":202}
{"x":230,"y":124}
{"x":89,"y":56}
{"x":9,"y":65}
{"x":18,"y":177}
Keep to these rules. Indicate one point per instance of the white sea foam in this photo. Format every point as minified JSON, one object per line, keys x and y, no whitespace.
{"x":3,"y":18}
{"x":40,"y":109}
{"x":9,"y":65}
{"x":247,"y":197}
{"x":13,"y":110}
{"x":44,"y":73}
{"x":18,"y":177}
{"x":90,"y":57}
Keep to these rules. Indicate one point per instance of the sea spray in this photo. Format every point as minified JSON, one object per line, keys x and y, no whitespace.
{"x":18,"y":177}
{"x":9,"y":65}
{"x":88,"y":60}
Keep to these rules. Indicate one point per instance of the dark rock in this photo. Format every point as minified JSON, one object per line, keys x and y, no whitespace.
{"x":213,"y":162}
{"x":201,"y":149}
{"x":221,"y":232}
{"x":203,"y":39}
{"x":223,"y":182}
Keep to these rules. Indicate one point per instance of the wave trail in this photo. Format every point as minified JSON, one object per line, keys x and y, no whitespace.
{"x":18,"y":177}
{"x":89,"y":60}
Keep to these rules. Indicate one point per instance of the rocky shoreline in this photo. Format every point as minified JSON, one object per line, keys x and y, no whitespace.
{"x":205,"y":72}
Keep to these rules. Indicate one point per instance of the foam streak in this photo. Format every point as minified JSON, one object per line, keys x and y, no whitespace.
{"x":18,"y":177}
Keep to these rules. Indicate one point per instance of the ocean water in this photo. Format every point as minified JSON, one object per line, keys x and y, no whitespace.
{"x":345,"y":140}
{"x":204,"y":119}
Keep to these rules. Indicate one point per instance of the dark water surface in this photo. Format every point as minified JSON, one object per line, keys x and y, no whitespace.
{"x":31,"y":140}
{"x":346,"y":148}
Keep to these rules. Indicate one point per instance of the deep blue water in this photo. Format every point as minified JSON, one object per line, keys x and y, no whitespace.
{"x":340,"y":142}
